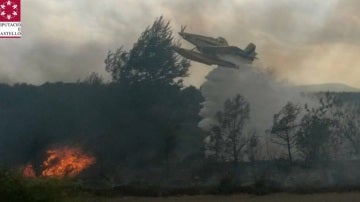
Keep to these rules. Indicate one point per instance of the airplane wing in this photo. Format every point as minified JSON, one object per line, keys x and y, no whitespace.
{"x":222,"y":49}
{"x":229,"y":50}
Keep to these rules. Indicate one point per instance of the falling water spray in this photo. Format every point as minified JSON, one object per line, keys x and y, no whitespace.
{"x":265,"y":95}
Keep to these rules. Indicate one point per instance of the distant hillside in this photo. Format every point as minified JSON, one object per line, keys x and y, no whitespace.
{"x":331,"y":87}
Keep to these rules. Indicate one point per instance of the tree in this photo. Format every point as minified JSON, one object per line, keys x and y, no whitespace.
{"x":284,"y":126}
{"x":93,"y":79}
{"x":149,"y":75}
{"x":252,"y":151}
{"x":167,"y":148}
{"x":231,"y":123}
{"x":150,"y":61}
{"x":349,"y":126}
{"x":216,"y":143}
{"x":315,"y":130}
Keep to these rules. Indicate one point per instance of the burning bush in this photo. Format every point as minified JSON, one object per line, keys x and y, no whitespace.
{"x":65,"y":162}
{"x":62,"y":162}
{"x":29,"y":171}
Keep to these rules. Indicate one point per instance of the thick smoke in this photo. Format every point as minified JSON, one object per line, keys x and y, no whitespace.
{"x":265,"y":95}
{"x":298,"y":38}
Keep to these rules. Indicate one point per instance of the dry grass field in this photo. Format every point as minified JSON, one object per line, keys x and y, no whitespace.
{"x":282,"y":197}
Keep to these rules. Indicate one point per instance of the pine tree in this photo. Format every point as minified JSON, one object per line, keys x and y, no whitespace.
{"x":316,"y":130}
{"x":151,"y":61}
{"x":283,"y":129}
{"x":231,"y":124}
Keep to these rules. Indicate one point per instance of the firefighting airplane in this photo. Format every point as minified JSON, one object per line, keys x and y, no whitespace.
{"x":213,"y":51}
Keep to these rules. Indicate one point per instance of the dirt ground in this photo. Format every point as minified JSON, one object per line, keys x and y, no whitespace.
{"x":283,"y":197}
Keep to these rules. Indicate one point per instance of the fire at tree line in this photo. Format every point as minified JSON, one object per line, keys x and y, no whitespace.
{"x":142,"y":128}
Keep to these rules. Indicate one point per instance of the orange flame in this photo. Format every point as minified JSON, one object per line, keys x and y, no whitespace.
{"x":29,"y":171}
{"x":65,"y":162}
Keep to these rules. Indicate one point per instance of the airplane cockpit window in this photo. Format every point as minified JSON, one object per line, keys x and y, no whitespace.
{"x":222,"y":41}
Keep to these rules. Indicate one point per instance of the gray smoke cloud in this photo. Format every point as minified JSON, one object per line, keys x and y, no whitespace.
{"x":265,"y":95}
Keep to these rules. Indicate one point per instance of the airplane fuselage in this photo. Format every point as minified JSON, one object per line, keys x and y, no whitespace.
{"x":202,"y":58}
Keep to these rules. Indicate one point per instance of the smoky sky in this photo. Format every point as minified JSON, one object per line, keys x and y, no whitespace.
{"x":303,"y":42}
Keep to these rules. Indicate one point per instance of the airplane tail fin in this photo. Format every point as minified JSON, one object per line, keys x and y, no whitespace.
{"x":182,"y":28}
{"x":250,"y":49}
